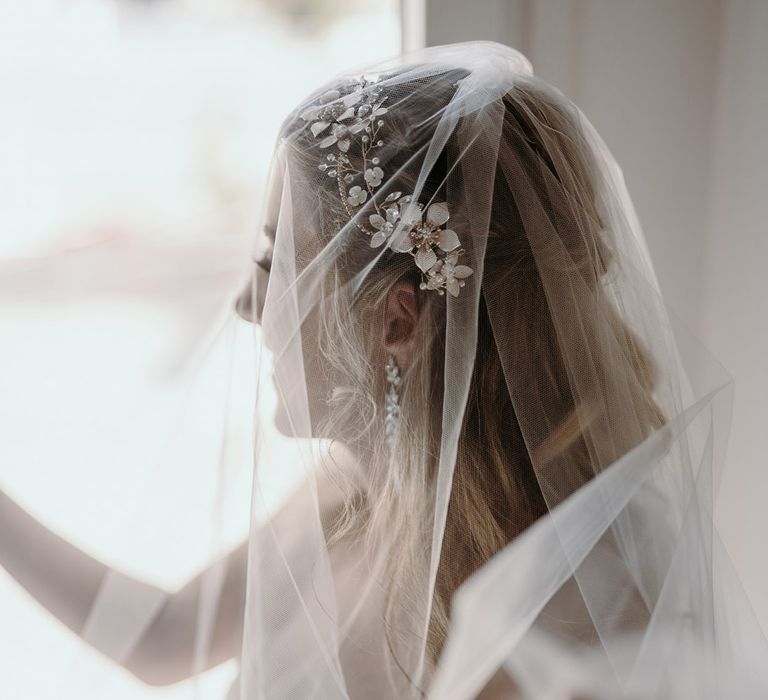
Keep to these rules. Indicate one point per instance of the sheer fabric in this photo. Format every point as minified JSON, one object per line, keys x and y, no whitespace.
{"x":541,"y":524}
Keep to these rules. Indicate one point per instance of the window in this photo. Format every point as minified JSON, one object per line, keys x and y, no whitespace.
{"x":136,"y":139}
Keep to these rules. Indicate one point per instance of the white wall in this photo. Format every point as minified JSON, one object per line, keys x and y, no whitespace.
{"x":735,"y":281}
{"x":678,"y":89}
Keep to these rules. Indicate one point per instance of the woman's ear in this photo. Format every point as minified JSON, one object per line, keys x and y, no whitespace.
{"x":401,"y":313}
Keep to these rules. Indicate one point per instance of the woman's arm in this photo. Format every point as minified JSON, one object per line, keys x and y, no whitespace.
{"x":66,"y":581}
{"x":59,"y":576}
{"x":166,"y":652}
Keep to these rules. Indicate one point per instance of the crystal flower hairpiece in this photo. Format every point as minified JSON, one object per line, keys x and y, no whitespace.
{"x":400,"y":221}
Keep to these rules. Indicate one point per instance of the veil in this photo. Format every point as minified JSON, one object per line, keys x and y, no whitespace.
{"x":500,"y":450}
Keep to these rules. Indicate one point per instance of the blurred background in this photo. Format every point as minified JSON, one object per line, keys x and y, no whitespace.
{"x":135,"y":141}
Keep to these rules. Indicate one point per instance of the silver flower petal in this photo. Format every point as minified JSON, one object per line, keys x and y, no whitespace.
{"x":378,"y":239}
{"x":319,"y":127}
{"x":437,"y":214}
{"x":448,"y":240}
{"x":401,"y":239}
{"x":373,"y":176}
{"x":410,"y":213}
{"x":329,"y":96}
{"x":357,"y":195}
{"x":377,"y":221}
{"x":310,"y":114}
{"x":425,"y":258}
{"x":340,"y":130}
{"x":353,"y":98}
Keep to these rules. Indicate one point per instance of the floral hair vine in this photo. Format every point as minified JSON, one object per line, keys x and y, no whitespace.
{"x":338,"y":120}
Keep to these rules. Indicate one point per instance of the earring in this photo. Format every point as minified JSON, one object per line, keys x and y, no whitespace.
{"x":392,"y":402}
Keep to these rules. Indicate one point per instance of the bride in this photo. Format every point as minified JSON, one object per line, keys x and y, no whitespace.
{"x":509,"y":483}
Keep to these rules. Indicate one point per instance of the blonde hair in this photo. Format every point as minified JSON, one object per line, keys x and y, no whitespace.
{"x":495,"y":493}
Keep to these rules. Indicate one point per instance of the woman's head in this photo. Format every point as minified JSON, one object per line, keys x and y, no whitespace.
{"x":517,"y":386}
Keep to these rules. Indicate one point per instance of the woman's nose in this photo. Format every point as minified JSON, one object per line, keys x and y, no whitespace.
{"x":250,"y":302}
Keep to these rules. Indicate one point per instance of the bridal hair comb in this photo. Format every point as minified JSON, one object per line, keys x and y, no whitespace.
{"x":359,"y":116}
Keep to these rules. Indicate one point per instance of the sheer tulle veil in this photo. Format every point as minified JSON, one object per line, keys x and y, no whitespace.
{"x":524,"y":506}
